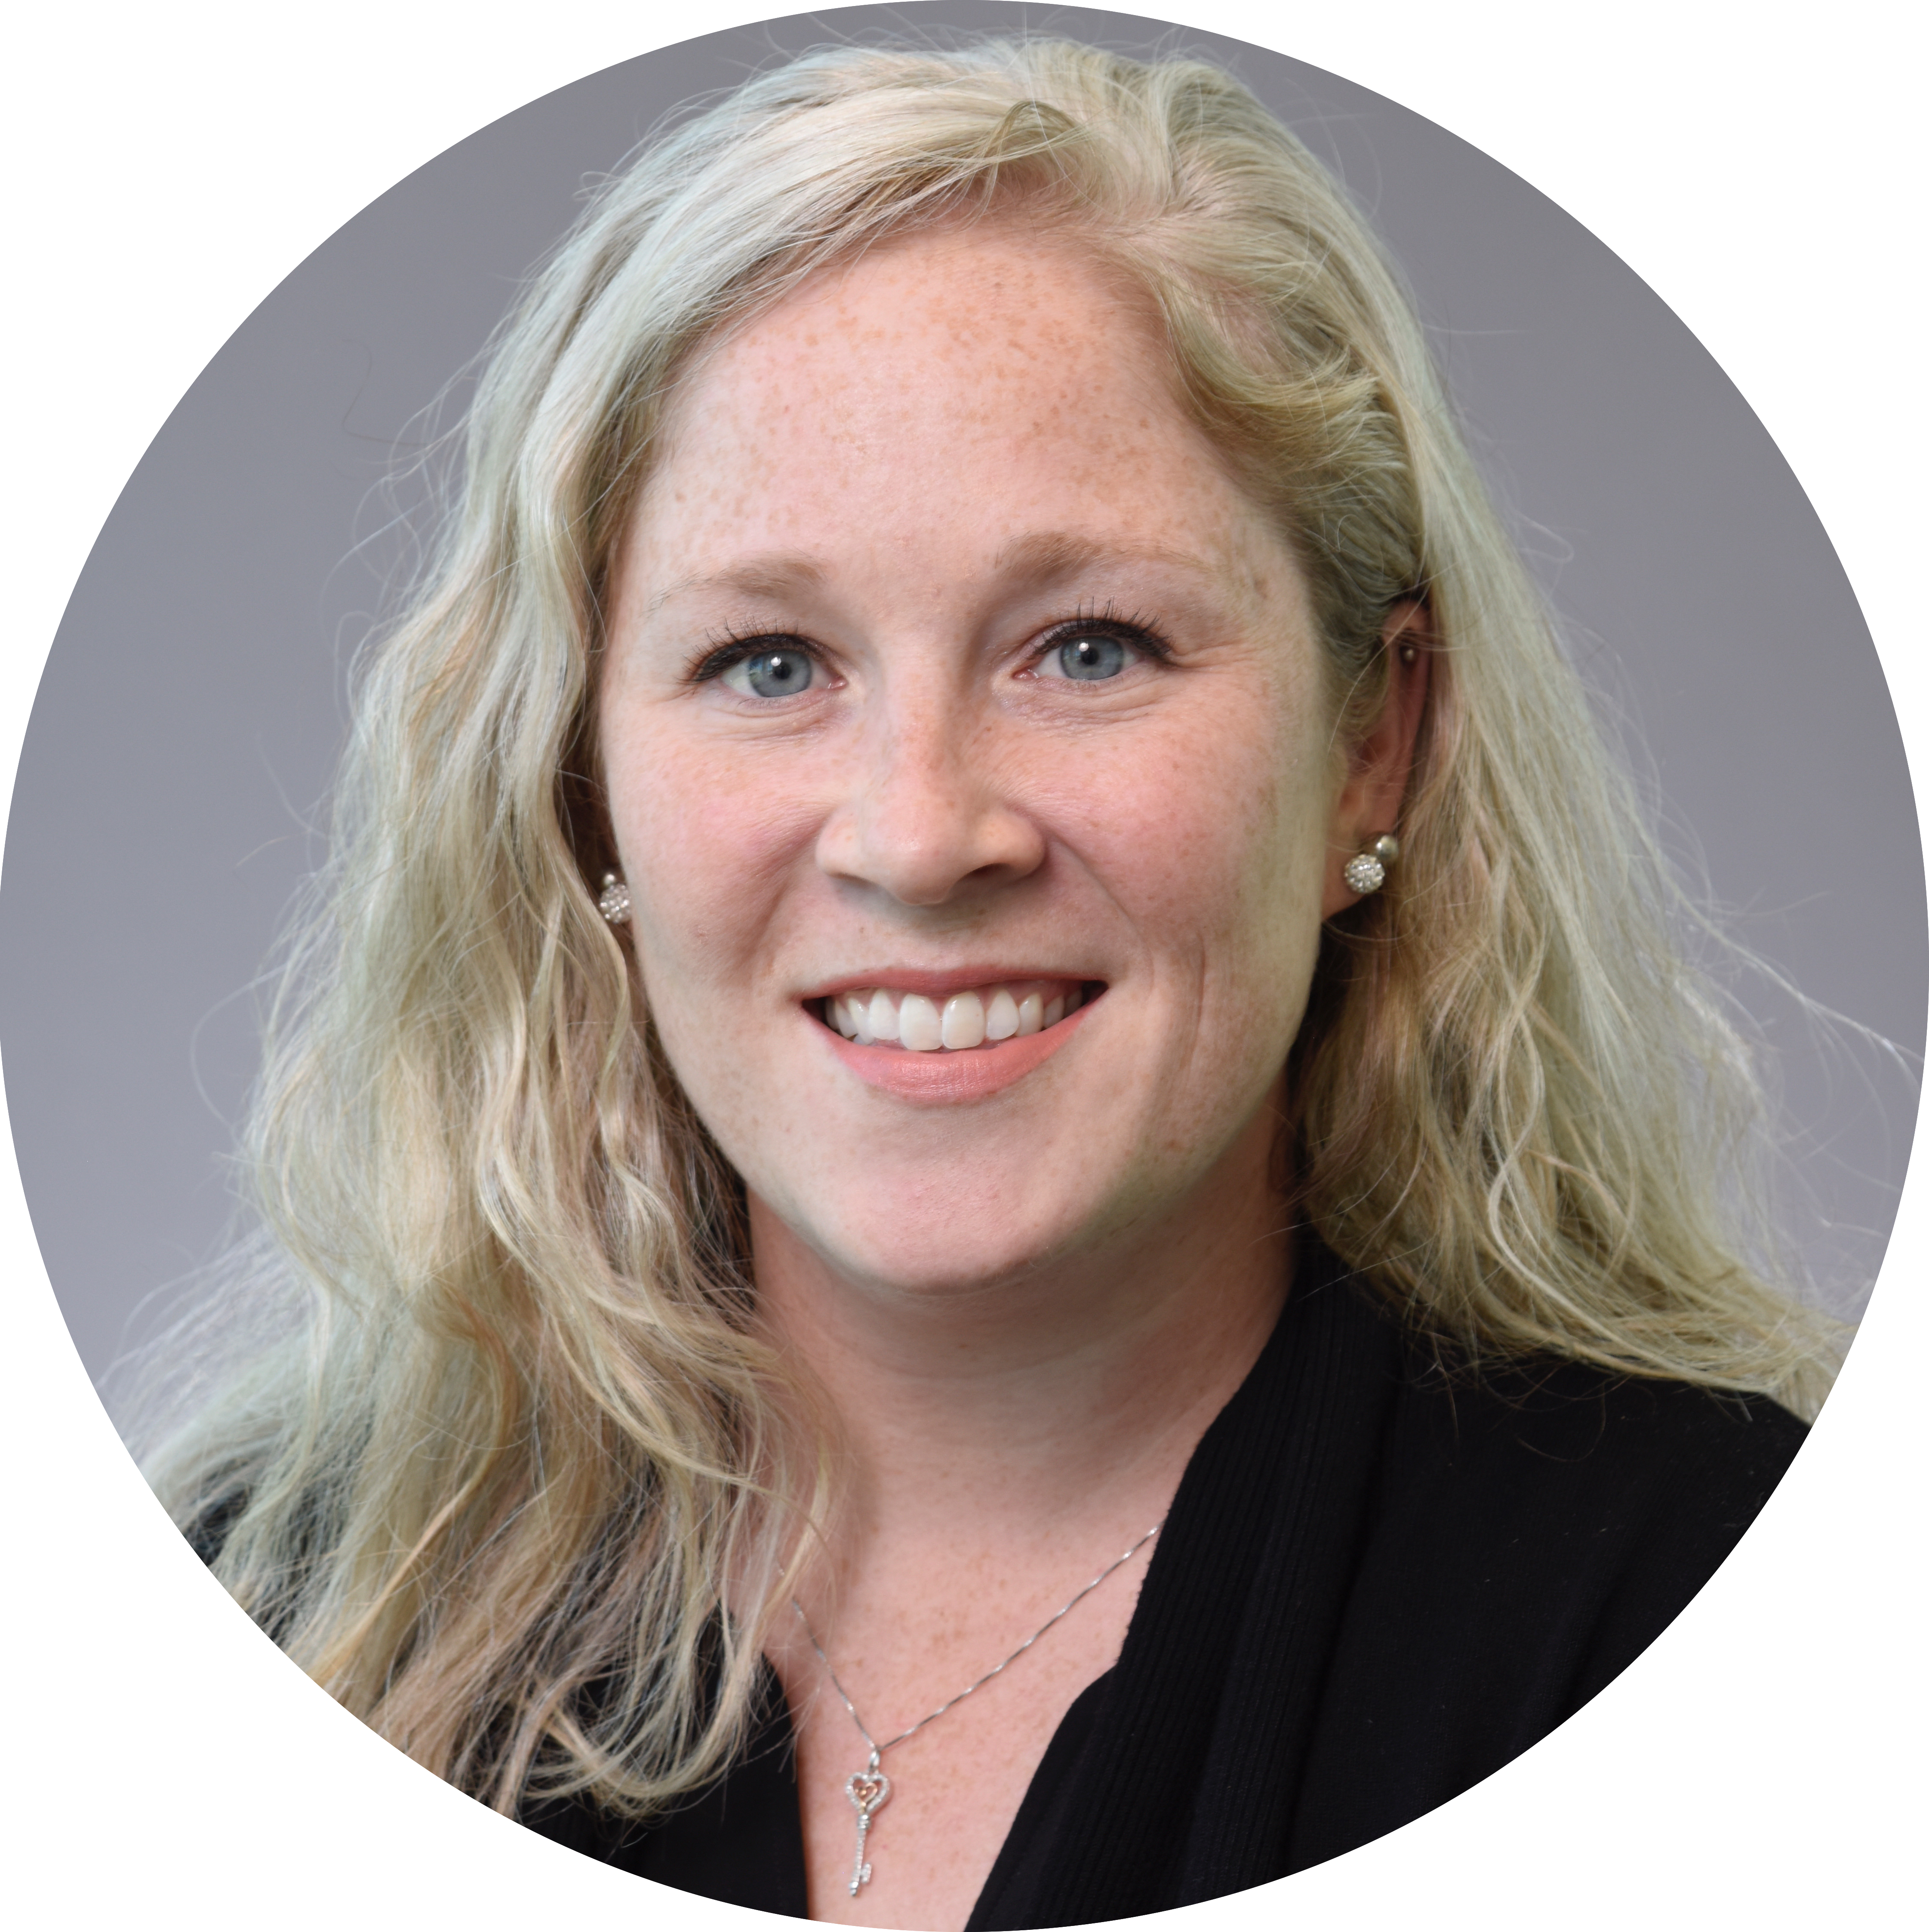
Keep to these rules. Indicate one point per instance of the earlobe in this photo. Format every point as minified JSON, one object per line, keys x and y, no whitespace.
{"x":1366,"y":871}
{"x":1364,"y":827}
{"x":613,"y":902}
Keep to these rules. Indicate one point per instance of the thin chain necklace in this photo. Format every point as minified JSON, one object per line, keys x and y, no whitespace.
{"x":868,"y":1788}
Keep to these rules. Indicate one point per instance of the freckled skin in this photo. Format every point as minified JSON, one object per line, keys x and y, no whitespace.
{"x":1025,"y":1308}
{"x":1169,"y":838}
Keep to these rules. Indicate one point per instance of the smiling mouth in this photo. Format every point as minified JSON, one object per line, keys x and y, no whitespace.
{"x":966,"y":1022}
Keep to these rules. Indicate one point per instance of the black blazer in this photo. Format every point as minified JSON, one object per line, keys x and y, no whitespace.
{"x":1377,"y":1584}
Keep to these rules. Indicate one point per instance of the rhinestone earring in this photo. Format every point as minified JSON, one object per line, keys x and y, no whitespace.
{"x":613,"y":903}
{"x":1366,"y":871}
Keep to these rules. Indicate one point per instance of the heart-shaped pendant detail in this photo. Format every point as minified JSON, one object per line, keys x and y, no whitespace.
{"x":867,"y":1790}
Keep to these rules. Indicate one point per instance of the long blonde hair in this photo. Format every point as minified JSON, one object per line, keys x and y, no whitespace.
{"x":501,"y":1424}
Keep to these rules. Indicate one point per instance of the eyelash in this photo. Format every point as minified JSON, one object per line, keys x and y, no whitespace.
{"x":734,"y":644}
{"x":1141,"y":633}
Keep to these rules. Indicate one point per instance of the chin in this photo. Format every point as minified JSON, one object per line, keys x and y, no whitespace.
{"x":959,"y":1254}
{"x":916,"y":1244}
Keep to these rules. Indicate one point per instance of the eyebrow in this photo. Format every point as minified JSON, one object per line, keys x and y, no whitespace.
{"x":1037,"y":557}
{"x":1042,"y":556}
{"x":766,"y":576}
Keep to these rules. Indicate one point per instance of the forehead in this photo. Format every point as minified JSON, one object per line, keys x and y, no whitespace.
{"x":981,"y":368}
{"x":984,"y":300}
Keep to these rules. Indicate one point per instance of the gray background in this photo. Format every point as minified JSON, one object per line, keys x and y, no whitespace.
{"x":193,"y":705}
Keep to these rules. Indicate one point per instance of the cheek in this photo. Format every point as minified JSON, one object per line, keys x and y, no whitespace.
{"x":701,"y":849}
{"x":1214,"y":839}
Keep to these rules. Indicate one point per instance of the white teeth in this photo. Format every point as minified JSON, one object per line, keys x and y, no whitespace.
{"x":963,"y":1022}
{"x":918,"y":1026}
{"x":981,"y":1015}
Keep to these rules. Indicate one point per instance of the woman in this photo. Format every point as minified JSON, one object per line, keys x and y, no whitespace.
{"x":1008,"y":1206}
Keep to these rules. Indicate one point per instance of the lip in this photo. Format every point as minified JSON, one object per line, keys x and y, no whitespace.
{"x":946,"y":1079}
{"x":941,"y":986}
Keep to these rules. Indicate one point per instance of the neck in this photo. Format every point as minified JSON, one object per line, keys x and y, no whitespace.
{"x":1042,"y":1413}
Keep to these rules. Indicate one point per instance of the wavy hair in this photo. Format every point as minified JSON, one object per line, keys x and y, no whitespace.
{"x":505,"y":1438}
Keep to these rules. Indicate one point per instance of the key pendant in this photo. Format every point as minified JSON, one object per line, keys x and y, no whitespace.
{"x":867,"y":1789}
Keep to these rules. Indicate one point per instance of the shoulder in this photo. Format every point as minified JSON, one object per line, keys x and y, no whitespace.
{"x":1550,"y":1519}
{"x":1624,"y":1475}
{"x":1545,"y":1453}
{"x":1542,"y":1481}
{"x":1531,"y":1530}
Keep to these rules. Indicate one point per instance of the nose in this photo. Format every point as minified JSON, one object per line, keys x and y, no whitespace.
{"x":927,"y":814}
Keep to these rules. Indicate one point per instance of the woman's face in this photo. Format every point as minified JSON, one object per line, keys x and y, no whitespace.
{"x":952,"y":686}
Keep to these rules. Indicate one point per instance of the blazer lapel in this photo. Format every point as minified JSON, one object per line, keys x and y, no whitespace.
{"x":1177,"y":1780}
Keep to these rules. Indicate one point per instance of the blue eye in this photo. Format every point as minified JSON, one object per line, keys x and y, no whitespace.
{"x":779,"y":674}
{"x":1091,"y":657}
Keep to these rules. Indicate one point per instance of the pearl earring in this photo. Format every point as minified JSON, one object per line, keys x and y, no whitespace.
{"x":1366,"y":871}
{"x":614,"y":902}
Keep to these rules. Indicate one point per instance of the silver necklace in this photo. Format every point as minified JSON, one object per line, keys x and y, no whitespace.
{"x":868,"y":1788}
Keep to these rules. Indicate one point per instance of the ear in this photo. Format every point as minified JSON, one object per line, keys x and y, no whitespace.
{"x":1375,"y":785}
